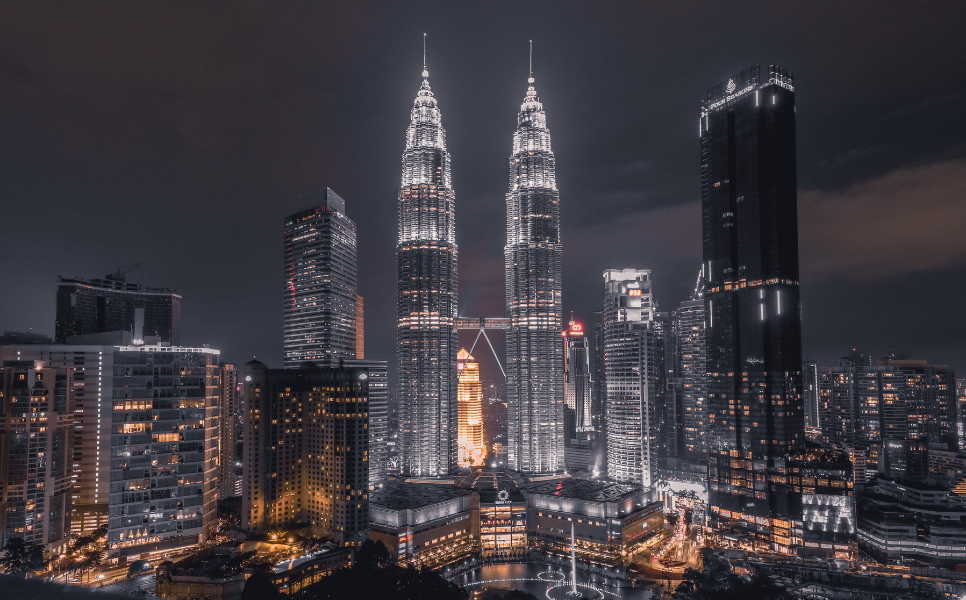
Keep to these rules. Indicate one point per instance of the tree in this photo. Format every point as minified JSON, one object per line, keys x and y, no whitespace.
{"x":20,"y":558}
{"x":372,"y":555}
{"x":718,"y":582}
{"x":260,"y":587}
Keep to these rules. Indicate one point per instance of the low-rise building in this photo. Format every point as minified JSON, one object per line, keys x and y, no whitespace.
{"x":911,"y":520}
{"x":425,"y":523}
{"x":608,"y":518}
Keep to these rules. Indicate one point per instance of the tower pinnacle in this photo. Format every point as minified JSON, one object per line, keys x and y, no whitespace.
{"x":425,"y":72}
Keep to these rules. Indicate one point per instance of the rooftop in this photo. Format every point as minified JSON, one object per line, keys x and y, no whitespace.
{"x":583,"y":489}
{"x":399,"y":495}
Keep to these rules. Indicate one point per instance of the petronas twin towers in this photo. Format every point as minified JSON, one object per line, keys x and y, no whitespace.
{"x":427,"y":304}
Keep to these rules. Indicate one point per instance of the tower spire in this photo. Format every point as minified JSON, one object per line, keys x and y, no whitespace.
{"x":425,"y":71}
{"x":531,"y":59}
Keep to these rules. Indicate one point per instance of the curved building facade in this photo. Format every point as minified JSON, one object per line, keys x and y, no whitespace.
{"x":426,"y":260}
{"x":535,"y":422}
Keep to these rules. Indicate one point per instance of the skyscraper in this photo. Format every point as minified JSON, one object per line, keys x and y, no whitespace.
{"x":535,"y":403}
{"x":470,"y":436}
{"x":426,"y":263}
{"x":689,"y":365}
{"x":320,"y":281}
{"x":227,"y":407}
{"x":35,"y":452}
{"x":87,"y":306}
{"x":578,"y":386}
{"x":750,"y":230}
{"x":164,"y":449}
{"x":634,"y":372}
{"x":315,"y":473}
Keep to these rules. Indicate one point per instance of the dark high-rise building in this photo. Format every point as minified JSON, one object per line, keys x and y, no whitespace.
{"x":750,"y":226}
{"x":320,"y":281}
{"x":36,"y":425}
{"x":578,"y":385}
{"x":378,"y":418}
{"x":426,"y":267}
{"x":599,"y":396}
{"x":227,"y":407}
{"x":810,"y":394}
{"x":307,"y":447}
{"x":532,"y":256}
{"x":87,"y":306}
{"x":360,"y":328}
{"x":690,"y":373}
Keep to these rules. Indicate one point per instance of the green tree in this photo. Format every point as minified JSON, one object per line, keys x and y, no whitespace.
{"x":260,"y":587}
{"x":20,"y":557}
{"x":718,"y":582}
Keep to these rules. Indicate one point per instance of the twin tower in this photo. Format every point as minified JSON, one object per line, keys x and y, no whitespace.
{"x":428,"y":300}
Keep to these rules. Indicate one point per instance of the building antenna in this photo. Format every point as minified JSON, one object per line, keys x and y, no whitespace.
{"x":531,"y":59}
{"x":424,"y":54}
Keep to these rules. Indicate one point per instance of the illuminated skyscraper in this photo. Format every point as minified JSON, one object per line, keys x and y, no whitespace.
{"x":320,"y":281}
{"x":690,"y":367}
{"x":535,"y":409}
{"x":634,"y":371}
{"x":750,"y":227}
{"x":426,"y":261}
{"x":470,"y":437}
{"x":578,"y":386}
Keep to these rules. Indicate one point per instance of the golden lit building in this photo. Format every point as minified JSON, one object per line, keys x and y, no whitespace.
{"x":470,"y":393}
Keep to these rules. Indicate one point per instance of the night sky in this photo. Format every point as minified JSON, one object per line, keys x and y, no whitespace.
{"x":178,"y":135}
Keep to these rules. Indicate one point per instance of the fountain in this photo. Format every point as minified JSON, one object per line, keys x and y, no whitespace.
{"x":573,"y":561}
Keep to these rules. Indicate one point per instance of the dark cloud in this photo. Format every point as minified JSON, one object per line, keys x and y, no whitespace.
{"x":907,"y":221}
{"x":178,"y":134}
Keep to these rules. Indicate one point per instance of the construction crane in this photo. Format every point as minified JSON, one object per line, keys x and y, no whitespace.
{"x":122,"y":271}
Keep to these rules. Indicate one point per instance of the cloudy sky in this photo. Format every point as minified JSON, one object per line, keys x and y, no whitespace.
{"x":178,"y":135}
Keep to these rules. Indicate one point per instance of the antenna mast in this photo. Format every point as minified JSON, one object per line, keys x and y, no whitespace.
{"x":531,"y":58}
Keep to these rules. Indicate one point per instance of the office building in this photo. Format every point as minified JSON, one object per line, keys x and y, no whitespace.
{"x":427,"y":300}
{"x":635,"y":373}
{"x":87,"y":306}
{"x":424,"y":524}
{"x":472,"y":452}
{"x":164,"y":449}
{"x":379,"y":437}
{"x":532,"y":257}
{"x":599,"y":395}
{"x":227,"y":409}
{"x":750,"y":236}
{"x":688,"y":365}
{"x":899,"y":521}
{"x":89,"y":362}
{"x":307,"y":451}
{"x":36,"y":425}
{"x":578,"y":384}
{"x":894,"y":411}
{"x":360,"y":328}
{"x":810,"y":394}
{"x":320,"y":281}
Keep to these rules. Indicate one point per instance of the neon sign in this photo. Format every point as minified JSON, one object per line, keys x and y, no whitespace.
{"x":633,"y":292}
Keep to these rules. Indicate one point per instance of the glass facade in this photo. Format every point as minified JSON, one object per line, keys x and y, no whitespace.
{"x":750,"y":233}
{"x":307,"y":450}
{"x":86,"y":306}
{"x":36,"y":427}
{"x":472,"y":452}
{"x":635,"y":377}
{"x":320,"y":282}
{"x":164,"y":449}
{"x":426,"y":267}
{"x":532,"y":258}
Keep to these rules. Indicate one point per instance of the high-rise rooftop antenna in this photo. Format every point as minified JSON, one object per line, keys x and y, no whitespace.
{"x":425,"y":72}
{"x":531,"y":59}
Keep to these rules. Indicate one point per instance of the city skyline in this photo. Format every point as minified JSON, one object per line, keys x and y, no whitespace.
{"x":842,"y":160}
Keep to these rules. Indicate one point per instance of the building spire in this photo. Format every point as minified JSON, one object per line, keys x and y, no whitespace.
{"x":531,"y":60}
{"x":425,"y":72}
